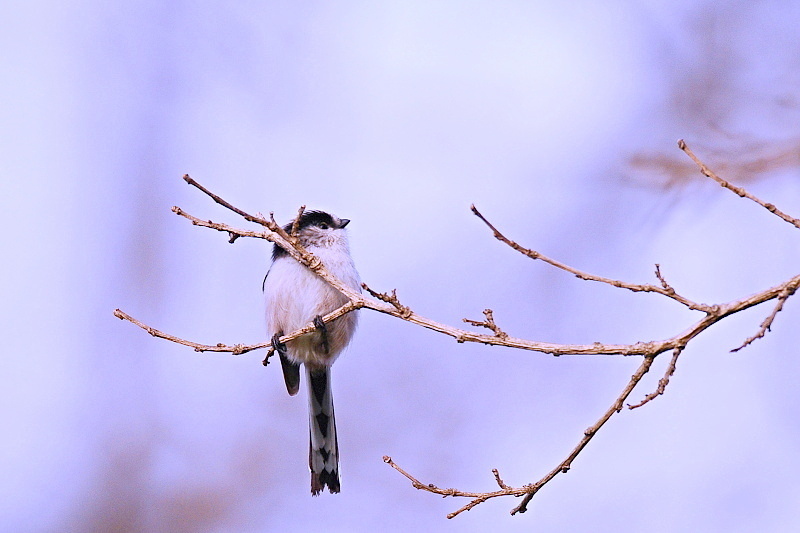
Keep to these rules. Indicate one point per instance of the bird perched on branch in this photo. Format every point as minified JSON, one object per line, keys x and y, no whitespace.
{"x":295,"y":296}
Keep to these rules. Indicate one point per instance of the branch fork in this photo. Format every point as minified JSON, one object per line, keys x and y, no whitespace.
{"x":489,"y":324}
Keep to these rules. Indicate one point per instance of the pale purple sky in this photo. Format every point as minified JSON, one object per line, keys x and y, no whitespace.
{"x":397,"y":115}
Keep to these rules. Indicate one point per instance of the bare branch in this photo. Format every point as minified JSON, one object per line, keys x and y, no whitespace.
{"x":737,"y":190}
{"x":230,"y":230}
{"x":488,"y":323}
{"x":499,"y":480}
{"x":478,"y":497}
{"x":767,"y":323}
{"x":220,"y":201}
{"x":566,"y":464}
{"x":404,"y":311}
{"x":296,"y":222}
{"x":528,"y":491}
{"x":663,"y":382}
{"x":388,"y":303}
{"x":238,"y":349}
{"x":667,"y":286}
{"x":533,"y":254}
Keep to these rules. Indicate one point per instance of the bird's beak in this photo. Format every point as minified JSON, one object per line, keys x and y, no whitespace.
{"x":343,"y":222}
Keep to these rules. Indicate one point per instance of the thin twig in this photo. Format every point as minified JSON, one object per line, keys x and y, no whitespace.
{"x":528,"y":491}
{"x":404,"y":311}
{"x":663,"y":382}
{"x":737,"y":190}
{"x":230,"y":230}
{"x":238,"y":349}
{"x":274,"y":233}
{"x":499,"y":480}
{"x":488,"y":323}
{"x":767,"y":323}
{"x":251,"y":218}
{"x":667,"y":287}
{"x":296,"y":222}
{"x":478,"y":497}
{"x":235,"y":349}
{"x":566,"y":464}
{"x":635,"y":287}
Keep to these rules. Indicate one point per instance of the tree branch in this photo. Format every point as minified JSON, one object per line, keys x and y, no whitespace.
{"x":488,"y":323}
{"x":737,"y":190}
{"x":663,"y":382}
{"x":767,"y":323}
{"x":664,"y":290}
{"x":236,"y":349}
{"x":388,"y":303}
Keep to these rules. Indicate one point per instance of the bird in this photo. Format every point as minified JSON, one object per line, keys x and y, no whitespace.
{"x":294,"y":297}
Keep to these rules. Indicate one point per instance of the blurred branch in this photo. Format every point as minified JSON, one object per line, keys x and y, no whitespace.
{"x":389,"y":303}
{"x":745,"y":161}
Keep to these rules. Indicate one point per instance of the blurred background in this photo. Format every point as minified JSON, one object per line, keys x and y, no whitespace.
{"x":558,"y":120}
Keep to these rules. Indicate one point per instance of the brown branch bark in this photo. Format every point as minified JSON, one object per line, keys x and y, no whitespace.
{"x":737,"y":190}
{"x":663,"y":382}
{"x":767,"y":323}
{"x":664,"y":289}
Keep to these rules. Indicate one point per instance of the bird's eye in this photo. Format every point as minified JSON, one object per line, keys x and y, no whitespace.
{"x":323,"y":225}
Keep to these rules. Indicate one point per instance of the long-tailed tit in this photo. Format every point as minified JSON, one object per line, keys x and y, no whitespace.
{"x":295,"y":297}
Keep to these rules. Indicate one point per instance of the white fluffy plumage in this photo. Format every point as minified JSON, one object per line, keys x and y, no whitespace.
{"x":295,"y":297}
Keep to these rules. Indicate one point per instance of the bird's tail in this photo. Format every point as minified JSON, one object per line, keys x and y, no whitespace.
{"x":323,"y":454}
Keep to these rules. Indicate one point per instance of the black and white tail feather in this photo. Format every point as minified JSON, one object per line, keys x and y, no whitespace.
{"x":295,"y":297}
{"x":323,"y":450}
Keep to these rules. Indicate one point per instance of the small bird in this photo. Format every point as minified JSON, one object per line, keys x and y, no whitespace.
{"x":295,"y":296}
